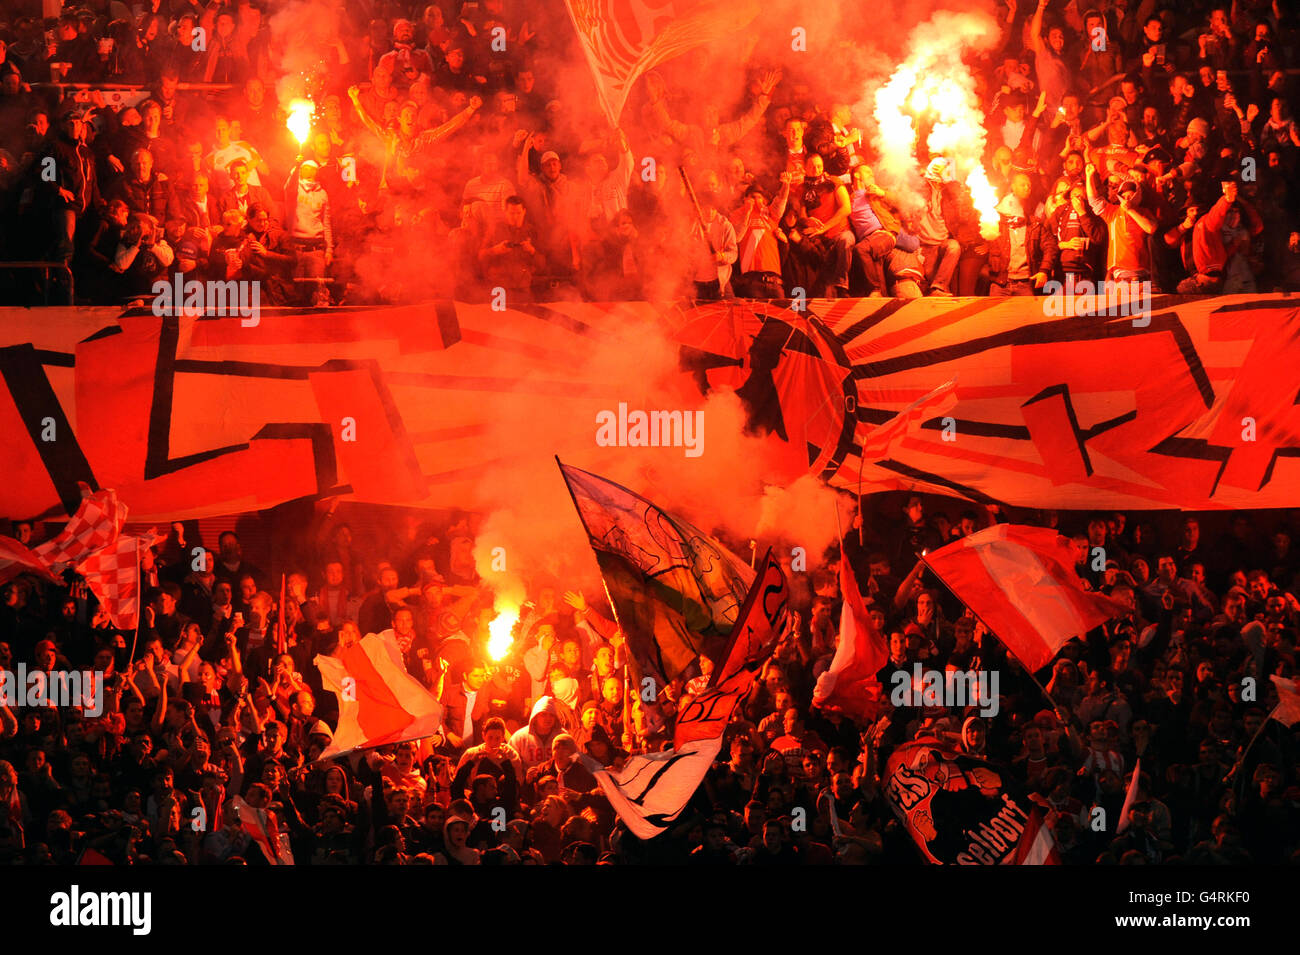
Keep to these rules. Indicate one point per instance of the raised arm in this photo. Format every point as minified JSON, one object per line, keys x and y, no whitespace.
{"x":1036,"y":29}
{"x":429,"y":137}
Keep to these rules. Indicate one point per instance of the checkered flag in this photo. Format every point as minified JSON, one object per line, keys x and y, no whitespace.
{"x":113,"y":575}
{"x":98,"y":522}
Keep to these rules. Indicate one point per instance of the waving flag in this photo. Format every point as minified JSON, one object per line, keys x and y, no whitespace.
{"x":379,"y":702}
{"x":676,"y":591}
{"x":16,"y":558}
{"x":849,"y":683}
{"x":958,"y":809}
{"x":1287,"y":711}
{"x":623,"y":38}
{"x":270,"y":838}
{"x":96,"y":524}
{"x":1021,"y":582}
{"x":878,"y":443}
{"x":1036,"y":846}
{"x":652,"y":789}
{"x":1126,"y":812}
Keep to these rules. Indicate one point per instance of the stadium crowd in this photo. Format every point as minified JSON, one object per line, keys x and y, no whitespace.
{"x":202,"y":708}
{"x":1152,"y":141}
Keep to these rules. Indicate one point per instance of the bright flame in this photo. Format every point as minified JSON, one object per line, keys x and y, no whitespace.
{"x":499,"y":637}
{"x":986,"y":201}
{"x":935,"y":88}
{"x":299,"y":121}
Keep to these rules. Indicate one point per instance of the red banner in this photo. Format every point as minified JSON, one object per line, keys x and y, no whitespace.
{"x":187,"y":418}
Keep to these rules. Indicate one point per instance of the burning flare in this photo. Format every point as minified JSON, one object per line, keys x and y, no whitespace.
{"x":299,"y":121}
{"x":500,"y":639}
{"x":934,"y":87}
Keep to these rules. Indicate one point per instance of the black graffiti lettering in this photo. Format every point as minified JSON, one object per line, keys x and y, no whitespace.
{"x":668,"y":764}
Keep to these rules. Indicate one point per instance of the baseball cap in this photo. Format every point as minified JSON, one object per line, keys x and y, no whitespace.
{"x":549,"y":155}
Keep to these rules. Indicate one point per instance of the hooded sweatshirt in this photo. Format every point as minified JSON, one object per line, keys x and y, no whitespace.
{"x":529,"y":743}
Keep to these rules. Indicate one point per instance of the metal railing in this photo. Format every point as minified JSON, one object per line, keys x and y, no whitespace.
{"x":46,"y":268}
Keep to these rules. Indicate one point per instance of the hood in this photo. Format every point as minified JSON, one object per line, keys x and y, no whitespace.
{"x":545,"y":704}
{"x":338,"y":769}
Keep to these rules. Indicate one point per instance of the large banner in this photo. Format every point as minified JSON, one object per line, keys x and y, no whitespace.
{"x":1192,"y":406}
{"x":956,"y":807}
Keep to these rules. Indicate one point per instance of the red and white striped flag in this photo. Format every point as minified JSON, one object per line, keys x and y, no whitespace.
{"x":1036,"y":846}
{"x":1130,"y":798}
{"x":1021,"y":582}
{"x":16,"y":558}
{"x":379,"y":702}
{"x":624,"y":38}
{"x":878,"y":443}
{"x":1287,"y":711}
{"x":261,"y":825}
{"x":850,"y":683}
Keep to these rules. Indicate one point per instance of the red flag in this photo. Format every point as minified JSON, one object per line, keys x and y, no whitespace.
{"x":849,"y":683}
{"x":113,"y":575}
{"x":16,"y":558}
{"x":97,"y":523}
{"x":878,"y":443}
{"x":1021,"y":582}
{"x":1130,"y":797}
{"x":379,"y":702}
{"x":1287,"y":711}
{"x":1036,"y":846}
{"x":261,"y":826}
{"x":762,"y":621}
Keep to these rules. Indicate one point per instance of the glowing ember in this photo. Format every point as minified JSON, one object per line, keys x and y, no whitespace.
{"x":500,"y":638}
{"x":299,"y":121}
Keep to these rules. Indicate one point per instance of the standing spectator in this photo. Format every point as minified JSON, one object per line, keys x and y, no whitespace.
{"x":307,"y":220}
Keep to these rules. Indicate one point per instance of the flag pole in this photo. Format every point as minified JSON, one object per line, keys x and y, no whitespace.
{"x":1241,"y":760}
{"x":282,"y":637}
{"x":627,"y":666}
{"x":699,"y":216}
{"x":139,"y":610}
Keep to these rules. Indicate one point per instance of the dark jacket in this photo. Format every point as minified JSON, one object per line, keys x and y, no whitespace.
{"x":1040,"y":245}
{"x":1091,"y":228}
{"x":152,"y":196}
{"x":74,"y":170}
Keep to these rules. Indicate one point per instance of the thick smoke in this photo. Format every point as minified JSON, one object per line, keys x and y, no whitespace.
{"x":934,"y":86}
{"x":840,"y":52}
{"x":729,"y":489}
